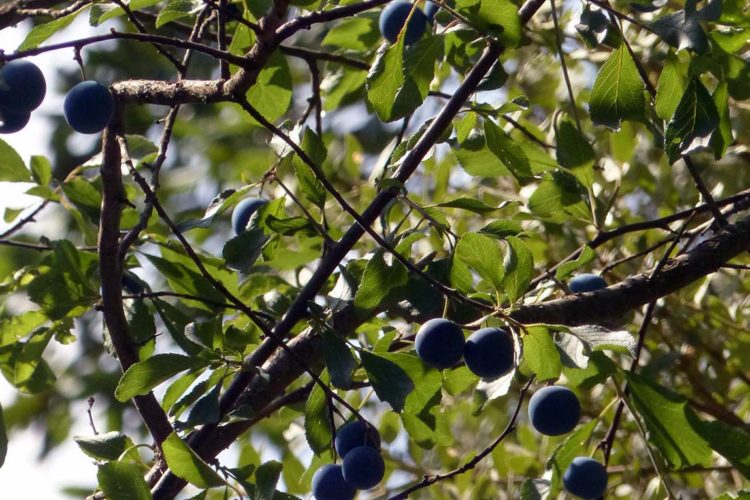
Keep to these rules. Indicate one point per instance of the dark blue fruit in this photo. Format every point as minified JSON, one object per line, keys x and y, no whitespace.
{"x":489,"y":352}
{"x":393,"y":18}
{"x":328,"y":484}
{"x":554,"y":410}
{"x":586,"y":283}
{"x":13,"y":121}
{"x":430,"y":9}
{"x":354,"y":435}
{"x":243,"y":211}
{"x":440,"y":343}
{"x":363,"y":468}
{"x":22,"y":86}
{"x":586,"y":478}
{"x":89,"y":107}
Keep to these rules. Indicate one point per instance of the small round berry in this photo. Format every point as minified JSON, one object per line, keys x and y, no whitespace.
{"x":13,"y":121}
{"x":489,"y":352}
{"x":328,"y":484}
{"x":554,"y":410}
{"x":586,"y":478}
{"x":586,"y":283}
{"x":440,"y":343}
{"x":89,"y":107}
{"x":363,"y":467}
{"x":353,"y":435}
{"x":22,"y":86}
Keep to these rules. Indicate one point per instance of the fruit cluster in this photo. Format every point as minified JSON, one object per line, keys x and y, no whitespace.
{"x":88,"y":107}
{"x":22,"y":90}
{"x":489,"y":353}
{"x":362,"y":468}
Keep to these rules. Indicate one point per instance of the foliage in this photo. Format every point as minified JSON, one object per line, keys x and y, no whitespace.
{"x":469,"y":176}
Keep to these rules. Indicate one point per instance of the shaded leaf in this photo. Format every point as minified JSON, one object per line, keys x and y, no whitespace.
{"x":107,"y":446}
{"x":617,"y":94}
{"x":694,"y":120}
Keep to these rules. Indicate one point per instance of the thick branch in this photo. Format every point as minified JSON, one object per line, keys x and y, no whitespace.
{"x":616,"y":300}
{"x":110,"y":270}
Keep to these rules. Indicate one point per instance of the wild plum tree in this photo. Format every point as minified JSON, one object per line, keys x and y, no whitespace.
{"x":422,"y":188}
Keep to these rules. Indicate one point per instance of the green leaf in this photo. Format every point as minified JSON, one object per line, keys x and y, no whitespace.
{"x":617,"y":94}
{"x":41,"y":32}
{"x":271,"y":94}
{"x":575,"y":153}
{"x":359,"y":34}
{"x":98,"y":15}
{"x":722,"y":136}
{"x":266,"y":478}
{"x":174,"y":10}
{"x":508,"y":151}
{"x":12,"y":168}
{"x":667,"y":417}
{"x":143,"y":376}
{"x":317,"y":419}
{"x":107,"y":446}
{"x":309,"y":184}
{"x":206,"y":409}
{"x":340,"y":361}
{"x":63,"y":286}
{"x":243,"y":250}
{"x":519,"y":267}
{"x":402,"y":380}
{"x":123,"y":481}
{"x":562,"y":456}
{"x":186,"y":464}
{"x":41,"y":170}
{"x":483,"y":255}
{"x":470,"y":204}
{"x":501,"y":229}
{"x":694,"y":120}
{"x":29,"y":355}
{"x":597,"y":338}
{"x":732,"y":443}
{"x":682,"y":30}
{"x":587,"y":255}
{"x":540,"y":354}
{"x":3,"y":438}
{"x":497,"y":17}
{"x":378,"y":280}
{"x":672,"y":83}
{"x":399,"y":79}
{"x":559,"y":197}
{"x":476,"y":158}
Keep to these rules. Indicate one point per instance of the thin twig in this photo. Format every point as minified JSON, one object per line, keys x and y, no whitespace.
{"x":434,"y":478}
